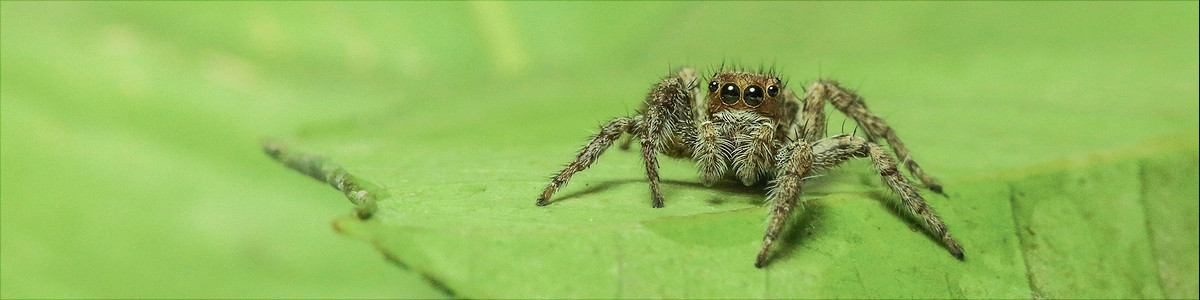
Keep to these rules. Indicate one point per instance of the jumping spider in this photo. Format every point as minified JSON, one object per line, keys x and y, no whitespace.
{"x":751,"y":126}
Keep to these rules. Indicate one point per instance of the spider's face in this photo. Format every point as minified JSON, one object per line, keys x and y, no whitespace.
{"x":744,"y":91}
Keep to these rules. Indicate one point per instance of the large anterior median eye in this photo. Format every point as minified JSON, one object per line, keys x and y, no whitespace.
{"x":754,"y":95}
{"x":730,"y":93}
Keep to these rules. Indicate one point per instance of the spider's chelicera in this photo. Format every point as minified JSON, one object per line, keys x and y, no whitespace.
{"x":750,"y":126}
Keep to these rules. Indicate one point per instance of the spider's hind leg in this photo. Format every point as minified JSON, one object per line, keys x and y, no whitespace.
{"x":835,"y":150}
{"x":853,"y":106}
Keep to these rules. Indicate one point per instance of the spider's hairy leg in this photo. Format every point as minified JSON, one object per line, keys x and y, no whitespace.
{"x":794,"y":161}
{"x":667,"y":124}
{"x":852,"y":105}
{"x":755,"y":151}
{"x":675,"y":91}
{"x":812,"y":115}
{"x":709,"y":153}
{"x":609,"y":132}
{"x":652,"y":126}
{"x":837,"y":149}
{"x":663,"y":124}
{"x":911,"y":199}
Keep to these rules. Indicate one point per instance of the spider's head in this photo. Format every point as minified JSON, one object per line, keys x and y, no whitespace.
{"x":744,"y":91}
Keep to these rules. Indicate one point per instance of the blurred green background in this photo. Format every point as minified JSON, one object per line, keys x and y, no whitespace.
{"x":130,"y":167}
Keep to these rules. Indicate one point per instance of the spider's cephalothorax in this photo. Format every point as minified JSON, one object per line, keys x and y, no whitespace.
{"x":751,"y":127}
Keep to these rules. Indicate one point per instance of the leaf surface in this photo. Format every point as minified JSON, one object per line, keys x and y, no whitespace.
{"x":1046,"y":154}
{"x":1050,"y":159}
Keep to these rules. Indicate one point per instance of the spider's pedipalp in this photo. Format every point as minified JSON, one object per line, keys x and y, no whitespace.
{"x":710,"y":154}
{"x":754,"y":152}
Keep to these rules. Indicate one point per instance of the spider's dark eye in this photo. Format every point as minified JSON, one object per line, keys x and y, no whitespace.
{"x":712,"y":86}
{"x":773,"y":91}
{"x":754,"y":95}
{"x":730,"y":93}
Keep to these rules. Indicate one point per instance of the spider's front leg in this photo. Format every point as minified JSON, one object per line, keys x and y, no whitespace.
{"x":651,"y":135}
{"x":665,"y":121}
{"x":610,"y":132}
{"x":794,"y":161}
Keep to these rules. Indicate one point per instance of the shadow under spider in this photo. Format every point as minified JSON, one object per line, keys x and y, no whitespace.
{"x":724,"y":186}
{"x":808,"y":221}
{"x":802,"y":226}
{"x":914,"y":222}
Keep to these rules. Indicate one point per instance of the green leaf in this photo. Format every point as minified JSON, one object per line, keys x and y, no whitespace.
{"x":130,"y":169}
{"x":602,"y":239}
{"x":1039,"y":177}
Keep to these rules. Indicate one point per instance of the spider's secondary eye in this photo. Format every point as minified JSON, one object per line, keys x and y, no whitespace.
{"x":730,"y":93}
{"x":712,"y":86}
{"x":754,"y":95}
{"x":773,"y":91}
